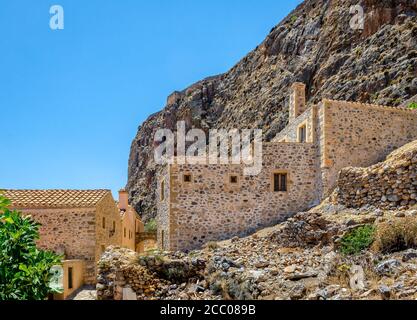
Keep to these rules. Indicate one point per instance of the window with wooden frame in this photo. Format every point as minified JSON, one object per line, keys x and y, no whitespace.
{"x":280,"y":182}
{"x":302,"y":134}
{"x":234,"y":179}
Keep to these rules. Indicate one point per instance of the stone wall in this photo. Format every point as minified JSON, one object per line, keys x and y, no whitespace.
{"x":164,"y":208}
{"x":144,"y":277}
{"x":79,"y":232}
{"x":69,"y":231}
{"x":387,"y":185}
{"x":360,"y":135}
{"x":210,"y":208}
{"x":290,"y":133}
{"x":339,"y":134}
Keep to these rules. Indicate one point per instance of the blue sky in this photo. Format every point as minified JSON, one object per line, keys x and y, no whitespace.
{"x":71,"y":100}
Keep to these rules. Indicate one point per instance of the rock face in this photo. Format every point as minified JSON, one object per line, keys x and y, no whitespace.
{"x":386,"y":185}
{"x":315,"y":45}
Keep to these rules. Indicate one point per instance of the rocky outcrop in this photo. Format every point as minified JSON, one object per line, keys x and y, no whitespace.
{"x":386,"y":185}
{"x":146,"y":277}
{"x":314,"y":45}
{"x":307,"y":229}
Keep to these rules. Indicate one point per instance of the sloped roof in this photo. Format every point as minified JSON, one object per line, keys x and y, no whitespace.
{"x":54,"y":198}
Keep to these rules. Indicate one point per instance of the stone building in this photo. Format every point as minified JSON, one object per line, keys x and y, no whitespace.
{"x":131,"y":224}
{"x":81,"y":224}
{"x":202,"y":203}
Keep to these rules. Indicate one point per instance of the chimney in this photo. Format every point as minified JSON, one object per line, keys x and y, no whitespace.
{"x":297,"y":100}
{"x":123,"y":199}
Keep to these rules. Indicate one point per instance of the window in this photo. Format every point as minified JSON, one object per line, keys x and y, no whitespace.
{"x":162,"y":239}
{"x":162,"y":190}
{"x":70,"y":284}
{"x":280,"y":182}
{"x":124,"y":232}
{"x":114,"y":226}
{"x":302,"y":134}
{"x":233,"y":179}
{"x":104,"y":223}
{"x":187,"y":178}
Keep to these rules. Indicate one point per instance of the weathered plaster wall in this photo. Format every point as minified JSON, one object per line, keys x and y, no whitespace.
{"x":77,"y":278}
{"x":110,"y":233}
{"x":129,"y":229}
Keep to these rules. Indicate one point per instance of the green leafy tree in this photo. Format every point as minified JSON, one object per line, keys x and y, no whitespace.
{"x":25,"y":271}
{"x":413,"y":106}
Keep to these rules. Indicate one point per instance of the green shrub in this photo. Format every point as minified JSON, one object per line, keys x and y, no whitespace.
{"x":357,"y":240}
{"x":293,"y":19}
{"x":25,"y":271}
{"x":413,"y":106}
{"x":151,"y":226}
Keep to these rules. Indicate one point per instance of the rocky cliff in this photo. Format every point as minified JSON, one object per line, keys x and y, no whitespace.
{"x":315,"y":45}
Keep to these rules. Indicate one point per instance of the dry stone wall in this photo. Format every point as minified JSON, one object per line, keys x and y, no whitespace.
{"x":387,"y":185}
{"x":147,"y":277}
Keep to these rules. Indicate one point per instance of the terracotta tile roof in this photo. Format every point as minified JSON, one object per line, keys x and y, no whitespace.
{"x":54,"y":198}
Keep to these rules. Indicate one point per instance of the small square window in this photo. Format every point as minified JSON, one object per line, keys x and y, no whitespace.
{"x":187,"y":178}
{"x":233,"y":179}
